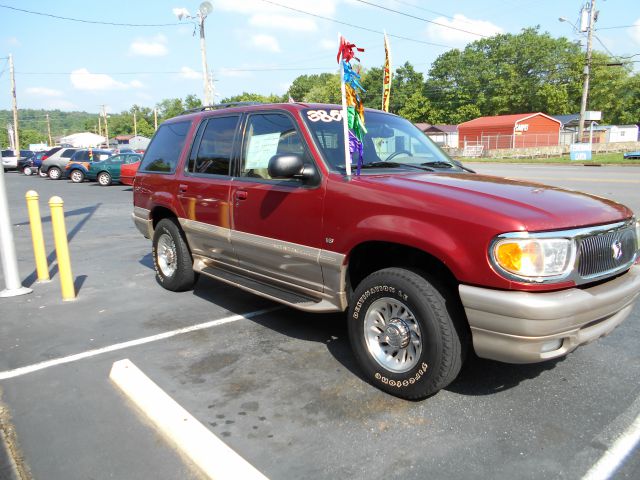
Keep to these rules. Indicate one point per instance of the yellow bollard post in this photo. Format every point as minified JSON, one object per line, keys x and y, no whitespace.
{"x":42,"y":267}
{"x":62,"y":248}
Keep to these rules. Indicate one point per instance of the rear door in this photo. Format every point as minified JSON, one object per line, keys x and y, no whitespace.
{"x":277,"y":224}
{"x":203,"y":190}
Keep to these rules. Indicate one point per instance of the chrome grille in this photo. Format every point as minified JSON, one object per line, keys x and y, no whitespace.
{"x":597,"y":252}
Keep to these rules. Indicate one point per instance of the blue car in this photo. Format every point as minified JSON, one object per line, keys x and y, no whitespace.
{"x":30,"y":162}
{"x":632,"y":156}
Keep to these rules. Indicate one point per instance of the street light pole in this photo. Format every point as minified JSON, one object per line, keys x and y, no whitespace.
{"x":587,"y":69}
{"x":205,"y":9}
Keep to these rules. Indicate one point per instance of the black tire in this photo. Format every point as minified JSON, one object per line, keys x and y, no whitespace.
{"x":420,"y":328}
{"x":76,"y":176}
{"x":176,"y":274}
{"x":54,"y":173}
{"x":104,"y":179}
{"x":28,"y":170}
{"x":42,"y":173}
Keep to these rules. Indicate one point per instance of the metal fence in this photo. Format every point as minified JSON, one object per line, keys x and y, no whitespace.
{"x":494,"y":142}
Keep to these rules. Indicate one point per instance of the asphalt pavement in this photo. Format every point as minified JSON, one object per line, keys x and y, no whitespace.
{"x":277,"y":385}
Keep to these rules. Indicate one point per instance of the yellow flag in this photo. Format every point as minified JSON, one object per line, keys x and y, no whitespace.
{"x":386,"y":75}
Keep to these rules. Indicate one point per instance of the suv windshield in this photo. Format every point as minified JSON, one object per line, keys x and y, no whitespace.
{"x":391,"y":142}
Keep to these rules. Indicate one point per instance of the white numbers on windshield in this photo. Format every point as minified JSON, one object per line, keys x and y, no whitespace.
{"x":324,"y":115}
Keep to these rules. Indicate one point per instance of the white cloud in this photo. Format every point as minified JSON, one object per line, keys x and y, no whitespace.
{"x":635,"y":31}
{"x":43,"y":92}
{"x":265,"y":42}
{"x":460,"y":22}
{"x":283,"y":22}
{"x":327,"y":44}
{"x":82,"y":79}
{"x":149,"y":47}
{"x":190,"y":74}
{"x":181,"y":13}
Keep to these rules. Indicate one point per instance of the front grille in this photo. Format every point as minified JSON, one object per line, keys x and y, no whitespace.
{"x":597,"y":252}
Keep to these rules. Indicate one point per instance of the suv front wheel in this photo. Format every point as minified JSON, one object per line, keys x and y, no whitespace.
{"x":403,"y":335}
{"x":171,"y":257}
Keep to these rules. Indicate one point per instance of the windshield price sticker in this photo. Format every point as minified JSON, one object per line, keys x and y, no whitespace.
{"x":324,"y":115}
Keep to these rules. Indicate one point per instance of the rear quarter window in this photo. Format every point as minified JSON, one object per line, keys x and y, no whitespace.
{"x":164,"y":150}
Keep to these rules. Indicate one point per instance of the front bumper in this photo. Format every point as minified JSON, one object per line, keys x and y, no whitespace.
{"x":529,"y":327}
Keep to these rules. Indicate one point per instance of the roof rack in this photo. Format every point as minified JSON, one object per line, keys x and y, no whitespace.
{"x":219,"y":106}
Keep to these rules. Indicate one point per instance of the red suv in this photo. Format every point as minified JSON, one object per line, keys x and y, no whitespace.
{"x":427,"y":257}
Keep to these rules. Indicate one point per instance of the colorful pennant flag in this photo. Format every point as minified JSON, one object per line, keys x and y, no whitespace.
{"x":386,"y":78}
{"x":352,"y":106}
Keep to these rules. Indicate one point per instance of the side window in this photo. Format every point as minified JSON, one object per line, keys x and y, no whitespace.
{"x":267,"y":135}
{"x":164,"y":150}
{"x":216,"y":144}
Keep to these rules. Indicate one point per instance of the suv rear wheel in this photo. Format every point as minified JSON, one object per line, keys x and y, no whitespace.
{"x":171,"y":257}
{"x":77,"y":176}
{"x":403,"y":335}
{"x":104,"y":179}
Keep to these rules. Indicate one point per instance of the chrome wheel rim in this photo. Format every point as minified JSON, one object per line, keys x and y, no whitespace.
{"x":54,"y":173}
{"x":103,"y":179}
{"x":76,"y":176}
{"x":392,"y":335}
{"x":27,"y":171}
{"x":166,"y":255}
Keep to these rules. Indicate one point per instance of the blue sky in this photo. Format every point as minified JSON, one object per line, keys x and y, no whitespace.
{"x":252,"y":45}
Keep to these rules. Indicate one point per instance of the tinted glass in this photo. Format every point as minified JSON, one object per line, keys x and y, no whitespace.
{"x":214,"y":151}
{"x":390,"y":142}
{"x":268,"y":135}
{"x":68,"y":153}
{"x":164,"y":150}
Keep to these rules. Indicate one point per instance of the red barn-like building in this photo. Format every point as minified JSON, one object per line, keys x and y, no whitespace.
{"x":510,"y":131}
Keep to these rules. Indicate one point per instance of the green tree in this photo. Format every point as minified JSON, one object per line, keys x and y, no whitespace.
{"x":405,"y":83}
{"x":510,"y":73}
{"x":145,"y":128}
{"x":303,"y":84}
{"x":327,"y":91}
{"x":253,"y":97}
{"x":417,"y":108}
{"x":372,"y":83}
{"x":169,"y":108}
{"x":192,"y":101}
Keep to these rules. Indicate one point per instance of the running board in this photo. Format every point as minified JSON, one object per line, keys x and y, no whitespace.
{"x":292,"y":299}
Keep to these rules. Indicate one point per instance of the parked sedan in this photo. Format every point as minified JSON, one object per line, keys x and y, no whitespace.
{"x":30,"y":165}
{"x":128,"y":172}
{"x":632,"y":156}
{"x":108,"y":171}
{"x":79,"y":163}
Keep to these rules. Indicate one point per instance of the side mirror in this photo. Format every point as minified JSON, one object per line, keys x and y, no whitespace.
{"x":287,"y":166}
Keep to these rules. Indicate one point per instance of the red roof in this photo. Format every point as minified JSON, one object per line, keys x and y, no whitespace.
{"x":502,"y":120}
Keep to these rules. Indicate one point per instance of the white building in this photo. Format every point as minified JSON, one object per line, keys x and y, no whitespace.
{"x":82,"y":140}
{"x":618,"y":133}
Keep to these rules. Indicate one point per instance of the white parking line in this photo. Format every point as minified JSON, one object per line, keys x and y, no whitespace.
{"x":17,"y":372}
{"x":616,"y":454}
{"x":214,"y":457}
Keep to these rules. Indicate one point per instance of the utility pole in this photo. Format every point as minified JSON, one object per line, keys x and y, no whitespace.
{"x":15,"y":107}
{"x":99,"y":124}
{"x":155,"y":119}
{"x":205,"y":9}
{"x":106,"y":126}
{"x":49,"y":130}
{"x":587,"y":68}
{"x":135,"y":124}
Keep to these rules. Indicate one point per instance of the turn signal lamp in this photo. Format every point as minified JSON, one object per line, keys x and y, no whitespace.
{"x":533,"y":259}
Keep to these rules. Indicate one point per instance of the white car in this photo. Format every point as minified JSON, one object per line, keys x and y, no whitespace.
{"x":9,"y":160}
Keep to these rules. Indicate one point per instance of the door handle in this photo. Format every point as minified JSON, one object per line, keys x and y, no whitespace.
{"x":241,"y":194}
{"x":182,"y":188}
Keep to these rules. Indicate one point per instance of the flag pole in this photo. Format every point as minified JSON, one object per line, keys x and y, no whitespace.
{"x":345,"y":117}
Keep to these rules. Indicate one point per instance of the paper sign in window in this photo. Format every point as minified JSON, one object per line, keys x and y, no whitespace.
{"x":261,"y":149}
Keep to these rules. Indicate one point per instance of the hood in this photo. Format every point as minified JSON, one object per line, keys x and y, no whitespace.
{"x":523,"y":205}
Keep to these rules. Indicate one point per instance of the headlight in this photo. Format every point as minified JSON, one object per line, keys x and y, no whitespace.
{"x":533,"y":259}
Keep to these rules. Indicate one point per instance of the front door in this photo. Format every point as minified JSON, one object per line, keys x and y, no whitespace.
{"x":277,"y":224}
{"x":203,"y":190}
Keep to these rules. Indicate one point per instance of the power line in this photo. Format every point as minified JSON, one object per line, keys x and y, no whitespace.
{"x":94,"y":22}
{"x":637,"y":25}
{"x":421,"y":18}
{"x":359,"y":27}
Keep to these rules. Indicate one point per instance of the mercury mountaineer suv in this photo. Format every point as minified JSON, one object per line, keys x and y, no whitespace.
{"x":427,"y":257}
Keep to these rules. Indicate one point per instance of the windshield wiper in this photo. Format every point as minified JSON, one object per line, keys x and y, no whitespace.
{"x":438,"y":164}
{"x":423,"y":167}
